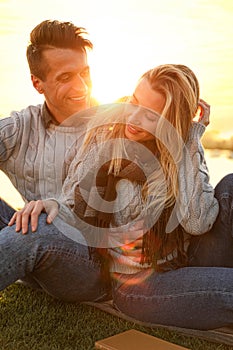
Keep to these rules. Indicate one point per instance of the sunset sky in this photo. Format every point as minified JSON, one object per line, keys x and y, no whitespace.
{"x":129,"y":38}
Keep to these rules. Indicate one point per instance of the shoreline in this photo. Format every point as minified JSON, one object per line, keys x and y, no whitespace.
{"x":219,"y":162}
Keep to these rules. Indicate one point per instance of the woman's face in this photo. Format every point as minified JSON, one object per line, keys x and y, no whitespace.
{"x":141,"y":125}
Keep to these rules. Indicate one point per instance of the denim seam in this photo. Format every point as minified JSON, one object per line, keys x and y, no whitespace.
{"x":71,"y":255}
{"x":62,"y":251}
{"x":171,"y":296}
{"x":224,"y":196}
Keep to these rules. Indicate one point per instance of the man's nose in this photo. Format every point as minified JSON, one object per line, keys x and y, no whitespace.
{"x":80,"y":83}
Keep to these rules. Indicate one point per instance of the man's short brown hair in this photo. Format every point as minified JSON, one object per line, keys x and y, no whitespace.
{"x":53,"y":34}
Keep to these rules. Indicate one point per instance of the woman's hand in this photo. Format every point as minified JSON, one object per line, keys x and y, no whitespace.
{"x":133,"y":250}
{"x":31,"y":212}
{"x":203,"y":113}
{"x":129,"y":240}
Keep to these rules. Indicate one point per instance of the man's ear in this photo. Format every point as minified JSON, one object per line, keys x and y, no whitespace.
{"x":37,"y":83}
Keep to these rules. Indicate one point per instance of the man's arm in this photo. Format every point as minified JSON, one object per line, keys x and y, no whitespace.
{"x":9,"y":136}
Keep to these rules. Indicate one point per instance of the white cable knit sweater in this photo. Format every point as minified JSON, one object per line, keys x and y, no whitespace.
{"x":196,"y":209}
{"x":36,"y":158}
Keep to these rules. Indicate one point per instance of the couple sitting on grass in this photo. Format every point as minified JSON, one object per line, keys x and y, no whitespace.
{"x":137,"y":219}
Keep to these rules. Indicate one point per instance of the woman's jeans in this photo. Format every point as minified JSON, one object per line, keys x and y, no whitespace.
{"x":48,"y":260}
{"x":199,"y":296}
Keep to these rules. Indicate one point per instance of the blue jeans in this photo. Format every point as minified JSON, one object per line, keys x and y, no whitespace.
{"x":215,"y":248}
{"x":198,"y":296}
{"x":49,"y":261}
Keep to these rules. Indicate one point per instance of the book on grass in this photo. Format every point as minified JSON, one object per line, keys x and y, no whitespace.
{"x":135,"y":340}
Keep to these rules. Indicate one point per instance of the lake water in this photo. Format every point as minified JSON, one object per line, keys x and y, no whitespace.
{"x":129,"y":38}
{"x":219,"y":163}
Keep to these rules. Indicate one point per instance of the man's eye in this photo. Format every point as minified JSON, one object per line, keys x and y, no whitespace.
{"x":85,"y":73}
{"x":65,"y":77}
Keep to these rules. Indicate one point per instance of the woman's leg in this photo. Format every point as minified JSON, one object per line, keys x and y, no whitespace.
{"x":190,"y":297}
{"x":215,"y":248}
{"x":59,"y":265}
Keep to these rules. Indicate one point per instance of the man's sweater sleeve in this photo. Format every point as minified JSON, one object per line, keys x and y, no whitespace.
{"x":197,"y":208}
{"x":9,"y":135}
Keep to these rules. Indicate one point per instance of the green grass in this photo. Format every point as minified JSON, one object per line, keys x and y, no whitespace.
{"x":35,"y":321}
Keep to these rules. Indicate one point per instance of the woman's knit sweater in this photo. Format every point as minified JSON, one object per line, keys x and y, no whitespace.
{"x":196,"y":208}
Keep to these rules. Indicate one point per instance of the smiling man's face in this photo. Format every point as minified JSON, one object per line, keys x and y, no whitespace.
{"x":67,"y":87}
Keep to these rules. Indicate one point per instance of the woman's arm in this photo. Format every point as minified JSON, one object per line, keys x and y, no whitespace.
{"x":197,"y":208}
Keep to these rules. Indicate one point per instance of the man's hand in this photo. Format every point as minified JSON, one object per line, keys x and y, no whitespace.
{"x":31,"y":212}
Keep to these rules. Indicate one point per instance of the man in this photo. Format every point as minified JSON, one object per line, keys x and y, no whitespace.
{"x":35,"y":153}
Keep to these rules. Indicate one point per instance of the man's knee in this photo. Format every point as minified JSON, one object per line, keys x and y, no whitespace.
{"x":225,"y":186}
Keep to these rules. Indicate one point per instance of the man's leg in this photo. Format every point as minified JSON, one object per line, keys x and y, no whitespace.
{"x":60,"y":266}
{"x":215,"y":248}
{"x":190,"y":297}
{"x":6,"y":212}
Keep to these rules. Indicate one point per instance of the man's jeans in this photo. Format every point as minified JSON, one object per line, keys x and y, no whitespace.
{"x":48,"y":260}
{"x":199,"y":296}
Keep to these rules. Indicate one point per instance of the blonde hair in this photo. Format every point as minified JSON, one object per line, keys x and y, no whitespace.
{"x":180,"y":88}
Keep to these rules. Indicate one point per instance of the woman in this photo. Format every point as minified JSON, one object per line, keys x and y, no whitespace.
{"x":148,"y":197}
{"x":151,"y":273}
